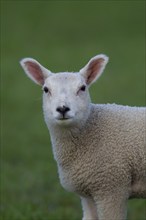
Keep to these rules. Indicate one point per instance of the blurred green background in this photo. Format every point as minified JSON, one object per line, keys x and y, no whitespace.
{"x":62,"y":35}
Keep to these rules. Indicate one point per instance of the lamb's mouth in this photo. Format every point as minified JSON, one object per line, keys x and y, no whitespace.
{"x":63,"y":119}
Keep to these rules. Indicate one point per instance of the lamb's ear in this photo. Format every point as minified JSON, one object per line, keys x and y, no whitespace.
{"x":94,"y":68}
{"x":35,"y":70}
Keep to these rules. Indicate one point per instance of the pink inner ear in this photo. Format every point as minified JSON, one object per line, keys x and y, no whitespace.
{"x":94,"y":69}
{"x":35,"y":71}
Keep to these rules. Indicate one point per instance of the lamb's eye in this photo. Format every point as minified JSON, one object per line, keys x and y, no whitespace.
{"x":46,"y":90}
{"x":83,"y":88}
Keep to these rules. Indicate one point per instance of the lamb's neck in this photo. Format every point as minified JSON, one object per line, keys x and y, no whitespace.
{"x":65,"y":143}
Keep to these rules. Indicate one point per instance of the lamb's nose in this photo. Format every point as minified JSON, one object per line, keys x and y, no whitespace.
{"x":62,"y":109}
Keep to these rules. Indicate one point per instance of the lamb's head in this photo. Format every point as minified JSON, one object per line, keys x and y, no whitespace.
{"x":66,"y":100}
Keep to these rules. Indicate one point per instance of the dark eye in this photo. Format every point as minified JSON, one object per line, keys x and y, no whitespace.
{"x":46,"y":90}
{"x":83,"y":88}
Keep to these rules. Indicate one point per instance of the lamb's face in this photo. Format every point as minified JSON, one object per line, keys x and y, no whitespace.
{"x":65,"y":99}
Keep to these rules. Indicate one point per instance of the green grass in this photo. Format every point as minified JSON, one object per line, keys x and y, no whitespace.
{"x":62,"y":35}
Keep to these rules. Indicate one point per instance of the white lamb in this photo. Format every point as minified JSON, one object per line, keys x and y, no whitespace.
{"x":100,"y":150}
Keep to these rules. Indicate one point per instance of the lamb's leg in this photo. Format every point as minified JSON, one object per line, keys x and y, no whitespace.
{"x":113,"y":208}
{"x":89,"y":209}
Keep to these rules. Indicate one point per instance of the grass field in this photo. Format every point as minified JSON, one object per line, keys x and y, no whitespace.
{"x":62,"y":35}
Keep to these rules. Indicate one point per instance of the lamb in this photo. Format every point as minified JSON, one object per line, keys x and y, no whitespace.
{"x":100,"y":149}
